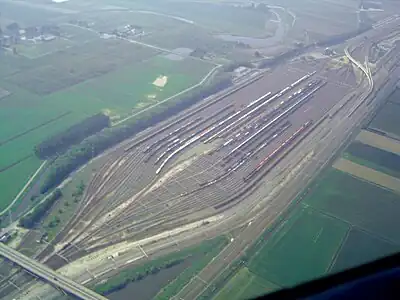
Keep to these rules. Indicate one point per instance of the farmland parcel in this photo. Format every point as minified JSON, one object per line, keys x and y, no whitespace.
{"x":308,"y":240}
{"x":387,"y":120}
{"x":375,"y":158}
{"x":340,"y":223}
{"x":49,"y":94}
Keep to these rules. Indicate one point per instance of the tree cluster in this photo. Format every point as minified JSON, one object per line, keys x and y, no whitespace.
{"x":126,"y":277}
{"x":80,"y":154}
{"x":34,"y":217}
{"x":60,"y":142}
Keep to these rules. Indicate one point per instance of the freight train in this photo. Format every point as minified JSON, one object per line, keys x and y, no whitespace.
{"x":277,"y":151}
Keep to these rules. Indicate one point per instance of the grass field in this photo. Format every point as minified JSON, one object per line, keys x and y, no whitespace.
{"x":43,"y":101}
{"x":341,"y":222}
{"x":63,"y":69}
{"x":361,"y":247}
{"x":378,"y":159}
{"x":245,"y":285}
{"x":307,"y":240}
{"x":15,"y":178}
{"x":222,"y":18}
{"x":387,"y":119}
{"x":357,"y":202}
{"x":395,"y":97}
{"x":32,"y":51}
{"x":130,"y":88}
{"x":368,"y":174}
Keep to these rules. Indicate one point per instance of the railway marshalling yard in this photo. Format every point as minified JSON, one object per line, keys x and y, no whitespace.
{"x":235,"y":160}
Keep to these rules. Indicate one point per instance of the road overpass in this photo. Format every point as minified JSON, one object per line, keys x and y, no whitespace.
{"x":48,"y":274}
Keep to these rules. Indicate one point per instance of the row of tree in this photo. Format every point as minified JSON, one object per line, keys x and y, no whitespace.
{"x":60,"y":142}
{"x":80,"y":154}
{"x":34,"y":217}
{"x":126,"y":277}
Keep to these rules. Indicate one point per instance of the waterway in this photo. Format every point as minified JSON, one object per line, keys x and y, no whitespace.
{"x":148,"y":287}
{"x":259,"y":42}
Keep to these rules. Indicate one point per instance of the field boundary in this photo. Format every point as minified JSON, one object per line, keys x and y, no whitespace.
{"x":7,"y":167}
{"x":367,"y":174}
{"x":336,"y":255}
{"x":376,"y":140}
{"x":34,"y":128}
{"x":23,"y":189}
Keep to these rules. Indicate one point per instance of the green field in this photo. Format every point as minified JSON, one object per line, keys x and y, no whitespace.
{"x":341,"y":222}
{"x":395,"y":96}
{"x":63,"y":69}
{"x":222,"y":18}
{"x":375,"y":158}
{"x":305,"y":244}
{"x":357,"y":202}
{"x":361,"y":247}
{"x":245,"y":285}
{"x":82,"y":72}
{"x":43,"y":102}
{"x":15,"y":178}
{"x":33,"y":51}
{"x":387,"y":119}
{"x":131,"y":88}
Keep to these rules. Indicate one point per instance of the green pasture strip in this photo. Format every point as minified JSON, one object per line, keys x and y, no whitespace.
{"x":370,"y":165}
{"x":131,"y":88}
{"x":245,"y":285}
{"x":361,"y":247}
{"x":307,"y":240}
{"x":388,"y":119}
{"x":23,"y":146}
{"x":14,"y":179}
{"x":375,"y":158}
{"x":395,"y":96}
{"x":23,"y":111}
{"x":358,"y":202}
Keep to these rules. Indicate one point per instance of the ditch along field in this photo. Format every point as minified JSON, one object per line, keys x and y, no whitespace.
{"x":337,"y":223}
{"x":48,"y":94}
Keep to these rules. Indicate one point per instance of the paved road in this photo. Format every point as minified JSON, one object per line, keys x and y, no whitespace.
{"x":49,"y":275}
